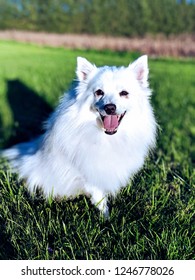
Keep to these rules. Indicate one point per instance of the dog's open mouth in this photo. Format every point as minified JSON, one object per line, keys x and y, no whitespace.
{"x":111,"y":122}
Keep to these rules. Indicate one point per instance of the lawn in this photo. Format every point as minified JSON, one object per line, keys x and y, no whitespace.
{"x":152,"y":218}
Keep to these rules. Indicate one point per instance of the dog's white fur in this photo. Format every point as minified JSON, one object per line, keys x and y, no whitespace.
{"x":75,"y":155}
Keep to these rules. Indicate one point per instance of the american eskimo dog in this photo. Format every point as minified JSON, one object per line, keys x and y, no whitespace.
{"x":96,"y":139}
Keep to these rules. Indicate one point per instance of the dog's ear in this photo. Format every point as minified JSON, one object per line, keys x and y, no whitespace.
{"x":84,"y":68}
{"x":140,"y":67}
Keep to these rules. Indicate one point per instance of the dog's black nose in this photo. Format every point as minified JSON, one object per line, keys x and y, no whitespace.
{"x":110,"y":109}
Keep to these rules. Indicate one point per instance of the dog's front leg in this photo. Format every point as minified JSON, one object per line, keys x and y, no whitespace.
{"x":99,"y":199}
{"x":102,"y":205}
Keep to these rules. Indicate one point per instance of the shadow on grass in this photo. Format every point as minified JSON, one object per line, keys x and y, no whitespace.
{"x":29,"y":111}
{"x":1,"y":131}
{"x":6,"y":248}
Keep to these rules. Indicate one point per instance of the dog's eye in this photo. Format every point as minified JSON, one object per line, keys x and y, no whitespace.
{"x":123,"y":93}
{"x":99,"y":92}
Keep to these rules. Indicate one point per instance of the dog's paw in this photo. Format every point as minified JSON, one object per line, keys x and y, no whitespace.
{"x":100,"y":201}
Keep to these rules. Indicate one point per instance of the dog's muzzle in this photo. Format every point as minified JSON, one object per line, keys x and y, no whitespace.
{"x":111,"y":120}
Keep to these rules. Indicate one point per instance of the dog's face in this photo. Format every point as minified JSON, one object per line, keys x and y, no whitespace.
{"x":113,"y":91}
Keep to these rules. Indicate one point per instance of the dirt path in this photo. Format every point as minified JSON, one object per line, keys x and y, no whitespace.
{"x":176,"y":46}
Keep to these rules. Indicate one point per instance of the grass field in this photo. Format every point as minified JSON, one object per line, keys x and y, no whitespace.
{"x":152,"y":218}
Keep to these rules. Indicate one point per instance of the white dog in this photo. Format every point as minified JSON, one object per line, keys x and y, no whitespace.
{"x":97,"y":138}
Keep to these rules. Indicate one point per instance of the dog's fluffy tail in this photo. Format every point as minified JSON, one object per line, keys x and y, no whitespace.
{"x":17,"y":154}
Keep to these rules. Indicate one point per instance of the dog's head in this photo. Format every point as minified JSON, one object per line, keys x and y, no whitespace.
{"x":113,"y":91}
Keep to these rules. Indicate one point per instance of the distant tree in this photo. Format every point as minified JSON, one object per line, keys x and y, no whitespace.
{"x":111,"y":17}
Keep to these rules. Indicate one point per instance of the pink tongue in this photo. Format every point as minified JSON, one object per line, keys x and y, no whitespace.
{"x":111,"y":122}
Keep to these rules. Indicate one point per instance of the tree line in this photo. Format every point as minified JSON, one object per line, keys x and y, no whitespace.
{"x":108,"y":17}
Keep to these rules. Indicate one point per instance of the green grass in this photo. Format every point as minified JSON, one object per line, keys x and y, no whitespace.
{"x":152,"y":218}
